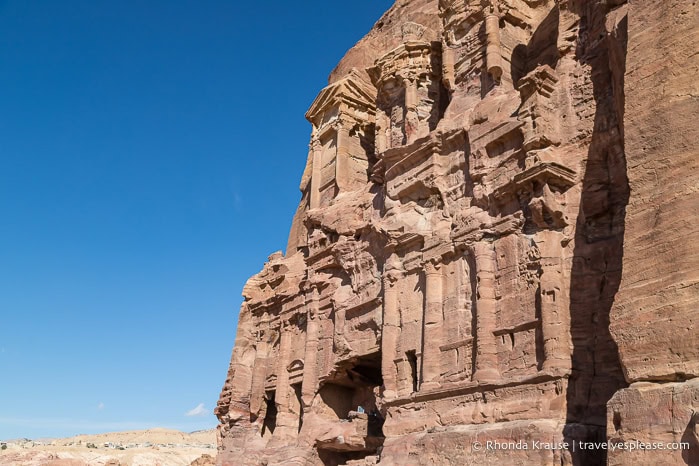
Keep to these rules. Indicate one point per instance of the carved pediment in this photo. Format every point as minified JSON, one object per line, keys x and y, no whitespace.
{"x":296,"y":365}
{"x":352,"y":90}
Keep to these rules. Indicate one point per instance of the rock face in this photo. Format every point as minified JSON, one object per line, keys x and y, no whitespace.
{"x":453,"y":271}
{"x":655,"y":317}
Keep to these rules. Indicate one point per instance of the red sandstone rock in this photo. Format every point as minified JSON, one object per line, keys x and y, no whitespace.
{"x":460,"y":243}
{"x":655,"y":317}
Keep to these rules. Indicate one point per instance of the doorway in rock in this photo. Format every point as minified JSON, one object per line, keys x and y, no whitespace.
{"x":270,"y":421}
{"x":348,"y":399}
{"x":354,"y":386}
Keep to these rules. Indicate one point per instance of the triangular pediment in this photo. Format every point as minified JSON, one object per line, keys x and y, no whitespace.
{"x":350,"y":89}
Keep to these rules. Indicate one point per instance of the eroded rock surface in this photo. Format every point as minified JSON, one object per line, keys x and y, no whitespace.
{"x":459,"y":245}
{"x":655,"y":317}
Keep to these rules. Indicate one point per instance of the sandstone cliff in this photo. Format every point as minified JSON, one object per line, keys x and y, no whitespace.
{"x":496,"y":241}
{"x":655,"y":317}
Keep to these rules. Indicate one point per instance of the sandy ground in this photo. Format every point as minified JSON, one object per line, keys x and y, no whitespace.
{"x":154,"y":447}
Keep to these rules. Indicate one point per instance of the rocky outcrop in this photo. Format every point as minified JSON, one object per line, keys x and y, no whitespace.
{"x":655,"y":317}
{"x":204,"y":460}
{"x":450,"y":293}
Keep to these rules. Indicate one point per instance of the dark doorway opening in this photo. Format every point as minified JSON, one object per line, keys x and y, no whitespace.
{"x":412,"y":360}
{"x":270,"y":422}
{"x":350,"y":399}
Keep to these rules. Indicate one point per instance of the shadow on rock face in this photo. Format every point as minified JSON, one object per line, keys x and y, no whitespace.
{"x":597,"y":264}
{"x":691,"y":437}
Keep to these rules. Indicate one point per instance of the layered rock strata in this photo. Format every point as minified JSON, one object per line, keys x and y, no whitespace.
{"x":460,"y":243}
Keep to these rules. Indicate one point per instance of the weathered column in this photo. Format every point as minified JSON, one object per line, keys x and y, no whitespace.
{"x":486,"y":369}
{"x":432,"y":327}
{"x":493,"y":57}
{"x":259,"y":373}
{"x":390,"y":333}
{"x":342,"y":173}
{"x":448,"y":70}
{"x":285,"y":418}
{"x":316,"y":150}
{"x":465,"y":306}
{"x":342,"y":346}
{"x":554,"y":328}
{"x":310,"y":359}
{"x":382,"y":124}
{"x":411,"y":116}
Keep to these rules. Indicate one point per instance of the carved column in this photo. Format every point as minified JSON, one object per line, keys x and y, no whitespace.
{"x":465,"y":306}
{"x":310,"y":359}
{"x":486,"y":348}
{"x":390,"y":333}
{"x":342,"y":174}
{"x":382,"y":124}
{"x":285,"y":417}
{"x":259,"y":373}
{"x":493,"y":58}
{"x":411,"y":116}
{"x":432,"y":321}
{"x":448,"y":67}
{"x":554,"y":327}
{"x":316,"y":149}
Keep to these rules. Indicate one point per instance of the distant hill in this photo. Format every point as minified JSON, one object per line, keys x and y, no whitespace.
{"x":128,"y":448}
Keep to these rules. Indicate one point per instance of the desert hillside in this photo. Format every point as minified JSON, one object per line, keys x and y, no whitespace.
{"x":130,"y":448}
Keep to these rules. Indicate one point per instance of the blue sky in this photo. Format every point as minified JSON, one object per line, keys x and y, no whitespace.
{"x":150,"y":156}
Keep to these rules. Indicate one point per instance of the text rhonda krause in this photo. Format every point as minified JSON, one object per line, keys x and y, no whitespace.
{"x":541,"y":445}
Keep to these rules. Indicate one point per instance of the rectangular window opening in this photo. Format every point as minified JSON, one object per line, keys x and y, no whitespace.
{"x":412,"y":360}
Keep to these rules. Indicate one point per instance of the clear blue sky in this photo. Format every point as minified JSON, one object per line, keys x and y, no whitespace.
{"x":150,"y":156}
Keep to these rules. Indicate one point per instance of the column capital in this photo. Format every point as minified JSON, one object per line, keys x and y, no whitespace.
{"x":284,"y":325}
{"x":391,"y":277}
{"x":433,"y":267}
{"x":481,"y":248}
{"x":312,"y":312}
{"x":393,"y":268}
{"x":343,"y":121}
